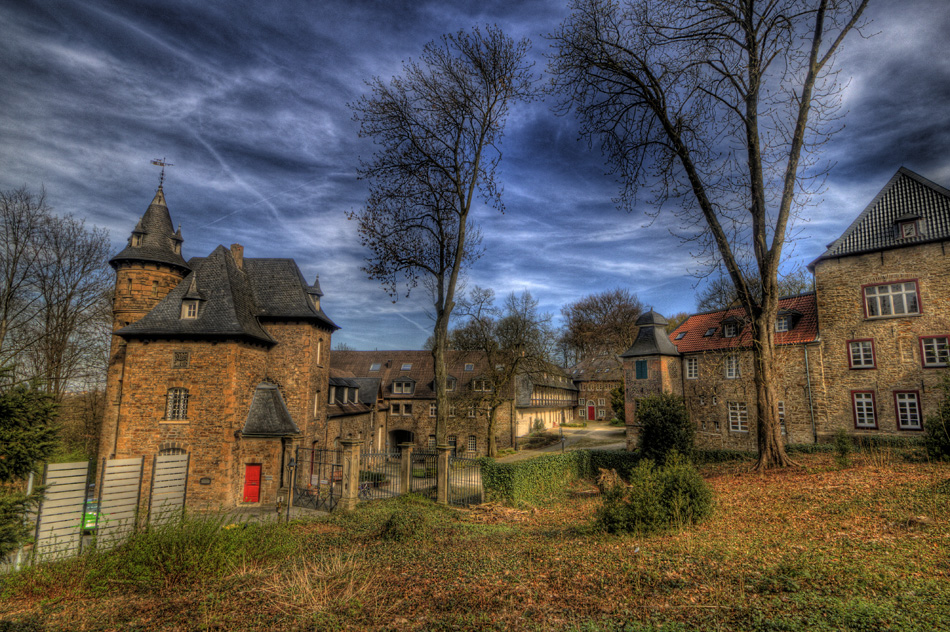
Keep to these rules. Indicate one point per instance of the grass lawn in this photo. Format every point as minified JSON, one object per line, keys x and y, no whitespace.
{"x":866,"y":547}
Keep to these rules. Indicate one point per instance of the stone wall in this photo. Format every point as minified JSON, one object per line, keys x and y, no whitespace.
{"x":895,"y":340}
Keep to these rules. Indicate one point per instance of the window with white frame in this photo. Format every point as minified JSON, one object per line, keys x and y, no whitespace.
{"x":934,"y":351}
{"x":583,"y":413}
{"x":864,"y":414}
{"x":580,"y":401}
{"x":472,"y":445}
{"x":452,"y":410}
{"x":189,"y":309}
{"x":781,"y":417}
{"x":729,"y":330}
{"x":783,"y":323}
{"x":732,"y":366}
{"x":432,"y":409}
{"x":431,"y":442}
{"x":176,"y":404}
{"x":407,"y":409}
{"x":481,"y":386}
{"x":450,"y":383}
{"x":738,"y":417}
{"x":908,"y":410}
{"x":861,"y":354}
{"x":601,"y":402}
{"x":453,"y":442}
{"x":407,"y":366}
{"x":891,"y":299}
{"x":402,"y":387}
{"x":395,"y":409}
{"x":692,"y":368}
{"x":471,"y":411}
{"x":601,"y":414}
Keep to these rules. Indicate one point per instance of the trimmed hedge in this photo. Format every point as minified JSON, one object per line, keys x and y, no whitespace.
{"x":538,"y":480}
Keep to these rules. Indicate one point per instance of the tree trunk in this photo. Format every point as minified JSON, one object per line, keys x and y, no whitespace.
{"x":438,"y":358}
{"x":492,"y":444}
{"x":769,"y":435}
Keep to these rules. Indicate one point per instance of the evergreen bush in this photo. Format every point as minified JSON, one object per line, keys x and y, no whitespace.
{"x":654,"y":499}
{"x":937,"y":426}
{"x":664,"y":427}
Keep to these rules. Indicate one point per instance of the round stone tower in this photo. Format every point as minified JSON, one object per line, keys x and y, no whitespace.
{"x":146,"y":270}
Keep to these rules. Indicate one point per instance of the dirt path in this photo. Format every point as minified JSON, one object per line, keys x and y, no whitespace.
{"x":596,"y":436}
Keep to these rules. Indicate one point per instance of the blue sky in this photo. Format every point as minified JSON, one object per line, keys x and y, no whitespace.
{"x":249,"y":101}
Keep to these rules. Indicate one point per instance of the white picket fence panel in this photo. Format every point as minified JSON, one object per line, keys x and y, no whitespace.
{"x":169,"y":483}
{"x":60,"y":515}
{"x":119,"y":490}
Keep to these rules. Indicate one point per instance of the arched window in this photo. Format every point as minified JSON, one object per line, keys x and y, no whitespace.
{"x":176,"y":403}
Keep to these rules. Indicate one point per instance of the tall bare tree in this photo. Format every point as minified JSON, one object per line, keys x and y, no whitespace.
{"x":437,"y":129}
{"x":717,"y":105}
{"x":516,"y":340}
{"x":601,"y":322}
{"x":720,"y":293}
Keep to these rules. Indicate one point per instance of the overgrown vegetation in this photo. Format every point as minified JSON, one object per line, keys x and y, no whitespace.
{"x":817,"y":548}
{"x":654,"y":499}
{"x":937,"y":426}
{"x":843,"y":448}
{"x":665,"y":427}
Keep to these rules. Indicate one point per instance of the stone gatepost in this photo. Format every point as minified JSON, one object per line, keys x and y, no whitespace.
{"x":351,"y":474}
{"x":442,"y":474}
{"x":405,"y":468}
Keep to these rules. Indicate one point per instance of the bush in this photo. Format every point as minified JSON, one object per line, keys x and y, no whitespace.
{"x":413,"y":518}
{"x":937,"y":426}
{"x":842,"y":448}
{"x":367,"y":476}
{"x":655,"y":498}
{"x":665,"y":427}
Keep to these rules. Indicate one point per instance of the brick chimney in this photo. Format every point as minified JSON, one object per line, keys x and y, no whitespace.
{"x":237,"y":251}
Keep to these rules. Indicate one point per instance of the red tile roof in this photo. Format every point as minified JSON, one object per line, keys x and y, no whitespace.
{"x":804,"y":330}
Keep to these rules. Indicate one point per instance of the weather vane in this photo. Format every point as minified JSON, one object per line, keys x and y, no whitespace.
{"x":160,"y":162}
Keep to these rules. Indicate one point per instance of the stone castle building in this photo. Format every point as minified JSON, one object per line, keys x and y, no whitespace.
{"x":223,"y":357}
{"x":864,"y":352}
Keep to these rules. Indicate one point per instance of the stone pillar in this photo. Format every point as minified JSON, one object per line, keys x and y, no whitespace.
{"x":351,"y":474}
{"x":442,"y":474}
{"x":405,"y":468}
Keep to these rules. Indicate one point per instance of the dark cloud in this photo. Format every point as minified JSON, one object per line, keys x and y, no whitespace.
{"x":250,"y":101}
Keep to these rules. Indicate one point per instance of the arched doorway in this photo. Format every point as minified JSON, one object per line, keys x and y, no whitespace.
{"x":397,"y":437}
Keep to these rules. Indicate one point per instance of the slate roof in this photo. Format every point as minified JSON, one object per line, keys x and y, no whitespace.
{"x":696,"y":326}
{"x":605,"y":367}
{"x":158,"y":237}
{"x":421,"y":372}
{"x":232,"y":302}
{"x":268,"y":415}
{"x":906,"y":196}
{"x":651,"y":337}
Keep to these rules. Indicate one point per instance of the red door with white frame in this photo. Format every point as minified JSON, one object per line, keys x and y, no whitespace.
{"x":252,"y":483}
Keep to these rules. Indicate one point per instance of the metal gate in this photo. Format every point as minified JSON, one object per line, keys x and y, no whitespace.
{"x":465,"y":482}
{"x":424,"y":466}
{"x":318,"y":478}
{"x":379,"y":475}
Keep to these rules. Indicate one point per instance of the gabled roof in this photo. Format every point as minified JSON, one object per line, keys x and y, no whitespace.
{"x":422,"y":373}
{"x":232,"y":301}
{"x":906,"y":196}
{"x":601,"y":367}
{"x":157,"y":235}
{"x":268,"y":415}
{"x":805,"y":329}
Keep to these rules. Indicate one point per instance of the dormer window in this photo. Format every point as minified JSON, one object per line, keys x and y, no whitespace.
{"x":177,"y":247}
{"x":402,"y":387}
{"x":481,"y":386}
{"x":407,"y":366}
{"x":908,"y":229}
{"x":137,"y":239}
{"x":783,"y":323}
{"x":729,"y":330}
{"x":189,"y":309}
{"x":450,"y":383}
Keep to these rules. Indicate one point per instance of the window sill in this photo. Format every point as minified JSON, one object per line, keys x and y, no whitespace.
{"x":892,"y":316}
{"x":174,"y":422}
{"x":862,"y":368}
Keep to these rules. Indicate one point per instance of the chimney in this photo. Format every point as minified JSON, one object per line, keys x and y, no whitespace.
{"x":237,"y":251}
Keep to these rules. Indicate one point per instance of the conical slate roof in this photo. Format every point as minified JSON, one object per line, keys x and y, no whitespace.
{"x":268,"y":415}
{"x":907,"y":196}
{"x":651,"y":338}
{"x":160,"y":243}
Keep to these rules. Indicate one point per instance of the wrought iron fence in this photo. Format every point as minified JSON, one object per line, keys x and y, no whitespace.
{"x":379,"y":475}
{"x":465,"y":482}
{"x":423,"y":470}
{"x":318,"y":482}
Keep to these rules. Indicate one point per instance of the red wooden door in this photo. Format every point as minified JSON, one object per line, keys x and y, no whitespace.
{"x":590,"y":412}
{"x":252,"y":483}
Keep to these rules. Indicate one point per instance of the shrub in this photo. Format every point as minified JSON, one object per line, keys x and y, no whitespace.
{"x":617,"y":404}
{"x":665,"y":427}
{"x":842,"y":448}
{"x":937,"y":426}
{"x":413,"y":518}
{"x":367,"y":476}
{"x":655,"y":498}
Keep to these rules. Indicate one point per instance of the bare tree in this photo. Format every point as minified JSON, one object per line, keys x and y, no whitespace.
{"x":721,"y":293}
{"x":716,"y":105}
{"x":601,"y":322}
{"x":437,"y":128}
{"x":516,"y":340}
{"x":22,"y":217}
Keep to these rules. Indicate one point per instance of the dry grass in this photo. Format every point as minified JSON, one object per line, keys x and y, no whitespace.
{"x":816,"y":548}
